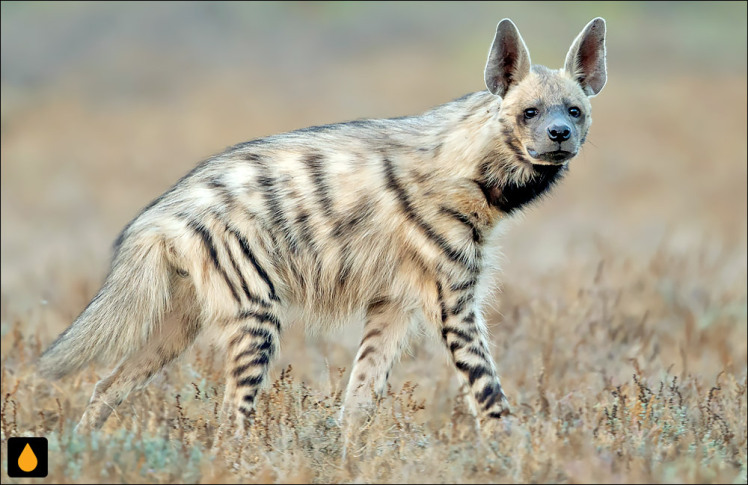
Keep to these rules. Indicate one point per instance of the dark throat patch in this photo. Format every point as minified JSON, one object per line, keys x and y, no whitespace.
{"x":512,"y":196}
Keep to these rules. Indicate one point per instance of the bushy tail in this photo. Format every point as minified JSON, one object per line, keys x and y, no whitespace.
{"x":122,"y":316}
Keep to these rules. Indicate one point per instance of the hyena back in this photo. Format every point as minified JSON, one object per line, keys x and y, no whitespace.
{"x":392,"y":220}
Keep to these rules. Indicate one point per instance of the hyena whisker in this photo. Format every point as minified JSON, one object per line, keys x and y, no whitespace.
{"x":394,"y":219}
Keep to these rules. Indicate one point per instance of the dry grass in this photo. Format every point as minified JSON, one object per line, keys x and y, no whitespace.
{"x":602,"y":392}
{"x":620,"y":331}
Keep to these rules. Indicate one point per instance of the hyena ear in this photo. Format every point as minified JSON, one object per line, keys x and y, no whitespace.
{"x":508,"y":61}
{"x":586,"y":58}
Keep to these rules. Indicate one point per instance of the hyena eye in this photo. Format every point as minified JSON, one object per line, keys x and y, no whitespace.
{"x":575,"y":112}
{"x":531,"y":113}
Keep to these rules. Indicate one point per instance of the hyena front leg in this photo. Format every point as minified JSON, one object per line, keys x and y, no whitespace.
{"x":464,"y":334}
{"x":251,"y":348}
{"x":384,"y":337}
{"x":173,"y":338}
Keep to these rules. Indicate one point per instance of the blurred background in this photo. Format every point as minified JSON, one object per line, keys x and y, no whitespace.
{"x":105,"y":105}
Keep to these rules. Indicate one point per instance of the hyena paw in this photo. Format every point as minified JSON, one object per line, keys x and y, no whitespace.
{"x":497,"y":420}
{"x":498,"y":410}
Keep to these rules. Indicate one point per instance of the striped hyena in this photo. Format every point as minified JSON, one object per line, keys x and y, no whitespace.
{"x":393,"y":221}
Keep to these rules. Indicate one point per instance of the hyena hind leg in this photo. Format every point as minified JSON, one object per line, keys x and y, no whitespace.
{"x":173,"y":338}
{"x":254,"y":342}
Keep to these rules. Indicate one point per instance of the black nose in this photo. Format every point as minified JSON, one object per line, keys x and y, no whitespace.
{"x":559,"y":132}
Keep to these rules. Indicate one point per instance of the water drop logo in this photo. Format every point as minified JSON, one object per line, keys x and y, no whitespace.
{"x":27,"y":457}
{"x":27,"y":461}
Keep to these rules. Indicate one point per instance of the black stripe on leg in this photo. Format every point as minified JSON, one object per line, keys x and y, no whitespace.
{"x":461,"y":303}
{"x":456,"y":345}
{"x":261,"y":317}
{"x":247,"y":412}
{"x":239,"y":371}
{"x":491,"y":389}
{"x":478,"y":351}
{"x":496,"y":414}
{"x":260,"y":333}
{"x":248,"y":398}
{"x":207,"y":240}
{"x":268,"y":351}
{"x":498,"y":396}
{"x":491,"y":400}
{"x":368,"y":350}
{"x":371,"y":333}
{"x":261,"y":361}
{"x":266,"y":337}
{"x":250,"y":381}
{"x":464,"y":286}
{"x":464,"y":335}
{"x":265,"y":345}
{"x":474,"y":372}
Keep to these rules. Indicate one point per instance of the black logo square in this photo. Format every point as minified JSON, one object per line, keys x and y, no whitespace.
{"x":27,"y":457}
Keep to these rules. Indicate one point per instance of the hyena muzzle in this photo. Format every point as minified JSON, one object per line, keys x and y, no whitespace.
{"x":394,"y":221}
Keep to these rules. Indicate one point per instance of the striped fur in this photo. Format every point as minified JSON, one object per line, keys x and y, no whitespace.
{"x":395,"y":219}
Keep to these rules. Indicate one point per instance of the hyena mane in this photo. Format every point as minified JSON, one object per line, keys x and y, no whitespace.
{"x":393,"y":221}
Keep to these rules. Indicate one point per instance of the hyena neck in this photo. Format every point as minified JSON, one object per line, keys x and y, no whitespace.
{"x":510,"y":195}
{"x":497,"y":162}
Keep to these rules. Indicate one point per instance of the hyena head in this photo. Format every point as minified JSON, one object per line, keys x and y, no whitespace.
{"x":545,"y":114}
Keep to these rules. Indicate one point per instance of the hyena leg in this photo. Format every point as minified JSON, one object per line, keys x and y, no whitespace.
{"x":251,"y":348}
{"x":384,"y":337}
{"x":135,"y":371}
{"x":464,"y":334}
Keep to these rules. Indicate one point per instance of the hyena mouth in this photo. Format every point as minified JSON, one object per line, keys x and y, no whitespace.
{"x":557,"y":156}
